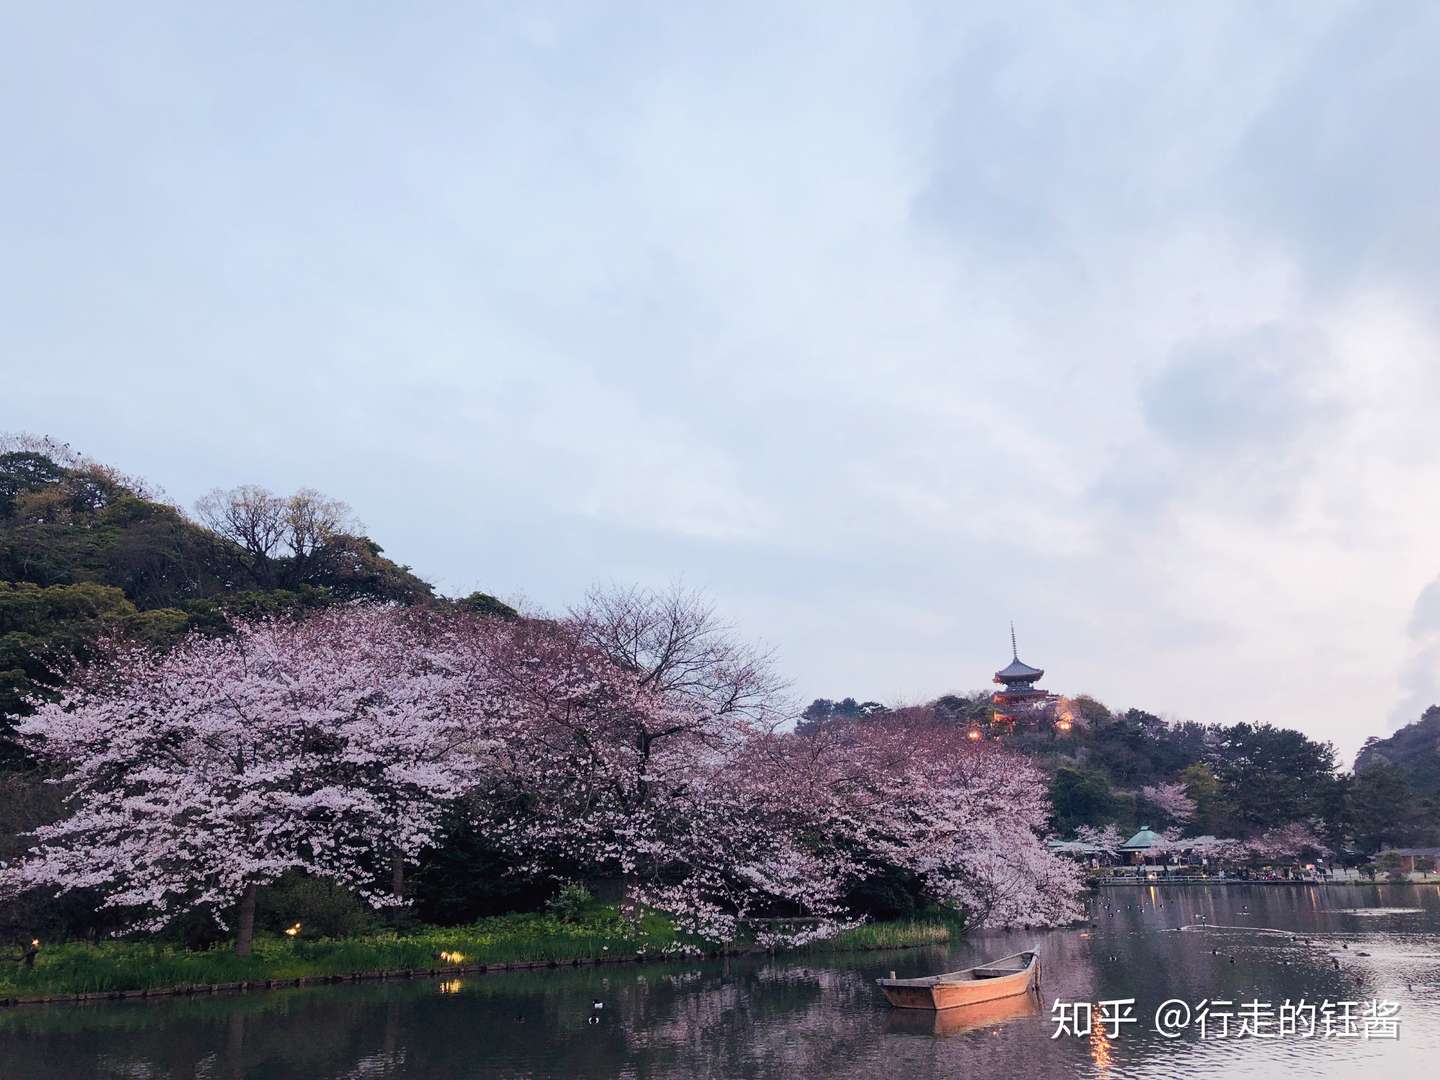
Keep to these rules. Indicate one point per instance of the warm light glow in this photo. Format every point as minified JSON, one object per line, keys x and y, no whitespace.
{"x":452,"y":957}
{"x":451,"y":986}
{"x":1063,"y":724}
{"x":1100,"y":1048}
{"x":292,"y":930}
{"x":35,"y":943}
{"x":973,"y":733}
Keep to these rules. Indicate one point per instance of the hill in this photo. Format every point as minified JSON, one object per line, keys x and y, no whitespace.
{"x":86,"y":550}
{"x":1414,"y":750}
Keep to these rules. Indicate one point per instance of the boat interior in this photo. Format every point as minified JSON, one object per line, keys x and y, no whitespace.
{"x":1010,"y":965}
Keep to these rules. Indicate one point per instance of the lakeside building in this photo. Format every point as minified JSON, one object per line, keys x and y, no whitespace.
{"x":1143,"y":845}
{"x":1410,"y":857}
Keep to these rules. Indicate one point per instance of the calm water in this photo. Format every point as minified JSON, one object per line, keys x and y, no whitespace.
{"x":806,"y":1018}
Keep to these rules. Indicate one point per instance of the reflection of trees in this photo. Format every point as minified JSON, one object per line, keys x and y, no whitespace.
{"x":743,"y":1016}
{"x":797,"y":1017}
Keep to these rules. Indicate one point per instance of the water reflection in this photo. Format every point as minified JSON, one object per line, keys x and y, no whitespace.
{"x":815,"y":1018}
{"x":984,"y":1016}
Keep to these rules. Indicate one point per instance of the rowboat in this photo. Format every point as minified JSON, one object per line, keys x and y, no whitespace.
{"x":1006,"y":977}
{"x":945,"y":1022}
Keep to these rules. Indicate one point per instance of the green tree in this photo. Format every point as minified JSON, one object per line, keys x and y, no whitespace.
{"x":46,"y":630}
{"x":1080,"y":796}
{"x":485,"y":605}
{"x":1214,"y":813}
{"x":1272,"y":775}
{"x":1384,"y":810}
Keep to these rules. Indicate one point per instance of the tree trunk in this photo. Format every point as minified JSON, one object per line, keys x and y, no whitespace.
{"x":245,"y":924}
{"x":397,"y":874}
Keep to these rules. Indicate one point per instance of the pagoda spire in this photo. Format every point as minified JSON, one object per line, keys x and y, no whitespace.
{"x":1014,"y":649}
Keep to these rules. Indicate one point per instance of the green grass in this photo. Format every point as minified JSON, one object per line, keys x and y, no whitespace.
{"x":76,"y":967}
{"x":600,"y":933}
{"x":904,"y":934}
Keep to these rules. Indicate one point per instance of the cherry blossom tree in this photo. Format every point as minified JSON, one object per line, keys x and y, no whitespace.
{"x":1105,"y":836}
{"x":197,"y":776}
{"x":597,"y":770}
{"x":334,"y":746}
{"x":712,"y":815}
{"x":1288,"y":841}
{"x":910,"y":791}
{"x":1171,"y":801}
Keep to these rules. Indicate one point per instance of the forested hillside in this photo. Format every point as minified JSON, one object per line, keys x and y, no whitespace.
{"x":86,"y":550}
{"x":1131,"y":768}
{"x":1414,"y":751}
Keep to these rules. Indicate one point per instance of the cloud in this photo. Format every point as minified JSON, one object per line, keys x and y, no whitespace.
{"x":885,"y":326}
{"x":1341,"y":162}
{"x":1420,"y":674}
{"x":1252,"y":393}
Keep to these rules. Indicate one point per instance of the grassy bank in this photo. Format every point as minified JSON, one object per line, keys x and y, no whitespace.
{"x":80,"y":968}
{"x":891,"y":935}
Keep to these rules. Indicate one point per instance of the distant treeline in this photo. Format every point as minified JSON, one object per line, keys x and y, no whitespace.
{"x":1240,"y":779}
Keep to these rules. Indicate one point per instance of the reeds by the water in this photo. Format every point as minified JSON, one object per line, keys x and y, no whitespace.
{"x":601,"y":934}
{"x":77,"y":967}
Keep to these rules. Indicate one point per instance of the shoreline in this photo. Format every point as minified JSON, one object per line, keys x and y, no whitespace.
{"x":1103,"y":883}
{"x":410,"y":974}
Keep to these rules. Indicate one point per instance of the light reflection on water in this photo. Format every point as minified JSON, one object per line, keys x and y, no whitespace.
{"x":817,"y":1017}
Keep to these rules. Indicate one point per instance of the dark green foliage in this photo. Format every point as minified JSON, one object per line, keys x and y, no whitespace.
{"x":1136,"y":747}
{"x":822,"y":709}
{"x":570,"y":902}
{"x":322,"y":908}
{"x":64,"y":524}
{"x":1215,"y":812}
{"x":479,"y":603}
{"x":27,"y":801}
{"x":890,"y":894}
{"x":1385,"y":811}
{"x":1272,"y":775}
{"x":355,"y":568}
{"x":465,"y":877}
{"x":1414,"y":750}
{"x":44,"y":631}
{"x":1080,"y":796}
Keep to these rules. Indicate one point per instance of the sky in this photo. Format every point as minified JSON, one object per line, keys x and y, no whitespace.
{"x":881,"y":324}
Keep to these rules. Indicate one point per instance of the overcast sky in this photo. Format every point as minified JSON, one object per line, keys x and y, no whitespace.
{"x":884,"y":326}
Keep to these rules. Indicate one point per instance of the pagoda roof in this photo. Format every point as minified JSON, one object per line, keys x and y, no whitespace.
{"x":1018,"y":669}
{"x":1142,"y":840}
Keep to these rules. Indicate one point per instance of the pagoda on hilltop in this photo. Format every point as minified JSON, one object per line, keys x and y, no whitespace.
{"x":1019,"y":700}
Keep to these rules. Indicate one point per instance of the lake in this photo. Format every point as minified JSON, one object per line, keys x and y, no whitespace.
{"x":808,"y":1017}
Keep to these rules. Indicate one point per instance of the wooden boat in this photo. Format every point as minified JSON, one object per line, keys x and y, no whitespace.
{"x":941,"y":1023}
{"x":1006,"y":977}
